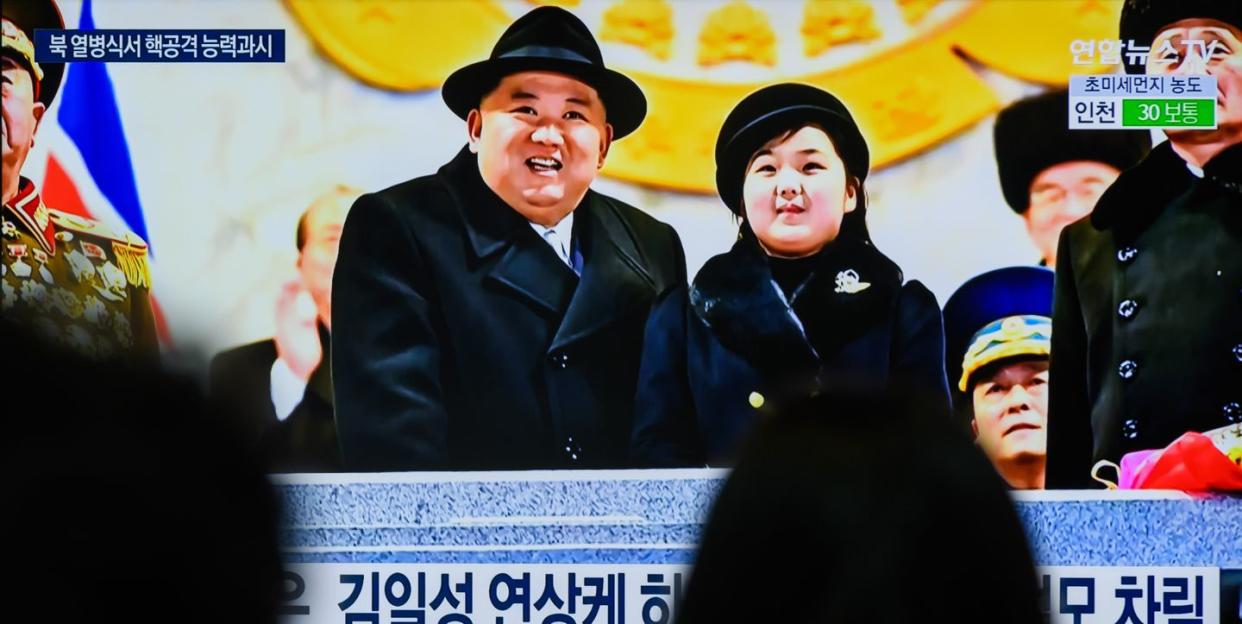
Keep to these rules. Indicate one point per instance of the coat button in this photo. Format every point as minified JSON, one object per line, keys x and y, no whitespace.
{"x":572,"y":449}
{"x":1233,"y":412}
{"x":1237,"y":352}
{"x":560,"y":359}
{"x":1126,"y":254}
{"x":1127,"y":369}
{"x":1128,"y":309}
{"x":756,"y":400}
{"x":1129,"y":429}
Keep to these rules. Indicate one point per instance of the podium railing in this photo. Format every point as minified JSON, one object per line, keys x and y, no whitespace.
{"x":634,"y":526}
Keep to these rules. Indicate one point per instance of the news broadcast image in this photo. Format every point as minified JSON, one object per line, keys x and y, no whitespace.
{"x":575,"y":311}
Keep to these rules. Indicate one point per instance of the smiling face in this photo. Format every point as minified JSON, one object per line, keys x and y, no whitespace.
{"x":541,"y":138}
{"x":796,"y":193}
{"x":1219,"y":56}
{"x":1010,"y":409}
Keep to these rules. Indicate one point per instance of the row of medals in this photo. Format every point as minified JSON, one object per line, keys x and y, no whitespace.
{"x":113,"y":280}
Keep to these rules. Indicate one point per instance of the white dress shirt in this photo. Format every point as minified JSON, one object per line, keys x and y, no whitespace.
{"x":559,"y":237}
{"x":287,"y":389}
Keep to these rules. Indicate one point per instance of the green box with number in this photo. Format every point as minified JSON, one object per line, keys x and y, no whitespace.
{"x":1144,"y":113}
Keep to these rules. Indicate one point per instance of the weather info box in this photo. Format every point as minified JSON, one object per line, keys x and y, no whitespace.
{"x":1124,"y":102}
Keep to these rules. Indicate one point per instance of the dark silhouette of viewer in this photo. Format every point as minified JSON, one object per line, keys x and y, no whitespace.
{"x":857,"y":507}
{"x":128,"y":499}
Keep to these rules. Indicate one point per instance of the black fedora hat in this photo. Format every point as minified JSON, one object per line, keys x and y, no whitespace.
{"x":1033,"y":134}
{"x":549,"y":39}
{"x":29,"y":15}
{"x":771,"y":110}
{"x":1142,"y":20}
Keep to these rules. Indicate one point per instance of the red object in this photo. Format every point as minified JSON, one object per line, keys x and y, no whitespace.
{"x":60,"y":192}
{"x":1191,"y":463}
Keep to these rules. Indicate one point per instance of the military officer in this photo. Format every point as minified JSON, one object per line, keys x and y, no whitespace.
{"x":1052,"y":176}
{"x":1147,"y":338}
{"x":997,"y":328}
{"x":69,"y":279}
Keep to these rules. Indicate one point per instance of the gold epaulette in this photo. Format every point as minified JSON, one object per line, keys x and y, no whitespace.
{"x":129,"y":248}
{"x":82,"y":225}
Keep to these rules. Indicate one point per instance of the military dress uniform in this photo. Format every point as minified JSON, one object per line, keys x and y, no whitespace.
{"x":74,"y":282}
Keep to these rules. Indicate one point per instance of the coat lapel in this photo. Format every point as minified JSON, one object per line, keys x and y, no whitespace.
{"x":1225,"y":170}
{"x":1141,"y":193}
{"x":320,"y":382}
{"x":735,"y":295}
{"x":530,"y":269}
{"x":614,"y":279}
{"x":524,"y":265}
{"x":836,"y":301}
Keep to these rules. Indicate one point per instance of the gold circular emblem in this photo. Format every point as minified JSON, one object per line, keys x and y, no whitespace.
{"x":406,"y":46}
{"x":901,"y":67}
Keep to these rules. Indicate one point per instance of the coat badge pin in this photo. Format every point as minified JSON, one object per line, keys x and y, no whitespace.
{"x":847,"y":282}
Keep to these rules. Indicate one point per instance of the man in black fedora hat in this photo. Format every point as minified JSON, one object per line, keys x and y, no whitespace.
{"x":68,"y":279}
{"x":1146,"y":341}
{"x":490,"y":316}
{"x":1052,"y":176}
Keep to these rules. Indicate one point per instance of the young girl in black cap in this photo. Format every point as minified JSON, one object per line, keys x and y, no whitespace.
{"x":802,"y":301}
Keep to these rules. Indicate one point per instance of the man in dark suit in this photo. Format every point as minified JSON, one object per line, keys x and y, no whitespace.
{"x":490,"y":316}
{"x":280,"y":390}
{"x":1146,"y":340}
